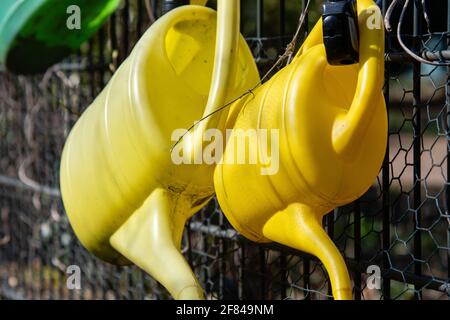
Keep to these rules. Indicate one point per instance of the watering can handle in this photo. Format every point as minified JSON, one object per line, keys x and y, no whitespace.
{"x":226,"y":53}
{"x":224,"y":71}
{"x":349,"y":129}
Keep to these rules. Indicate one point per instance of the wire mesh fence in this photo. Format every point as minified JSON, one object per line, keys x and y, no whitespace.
{"x":402,"y":224}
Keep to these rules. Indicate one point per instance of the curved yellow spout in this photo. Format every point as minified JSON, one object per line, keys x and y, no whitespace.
{"x":325,"y":137}
{"x":299,"y":226}
{"x":126,"y":200}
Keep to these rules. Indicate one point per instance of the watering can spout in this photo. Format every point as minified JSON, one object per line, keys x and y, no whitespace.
{"x":299,"y":226}
{"x":151,"y":238}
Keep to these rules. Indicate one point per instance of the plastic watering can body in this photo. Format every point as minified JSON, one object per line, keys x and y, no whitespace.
{"x":332,"y":132}
{"x":34,"y":33}
{"x":125,"y":197}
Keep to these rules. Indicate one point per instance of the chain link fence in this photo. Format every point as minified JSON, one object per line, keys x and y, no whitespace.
{"x":401,"y":225}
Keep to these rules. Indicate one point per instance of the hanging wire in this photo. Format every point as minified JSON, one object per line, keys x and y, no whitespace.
{"x":291,"y":46}
{"x":391,"y":8}
{"x":387,"y":18}
{"x":387,"y":21}
{"x":425,"y":16}
{"x":286,"y":56}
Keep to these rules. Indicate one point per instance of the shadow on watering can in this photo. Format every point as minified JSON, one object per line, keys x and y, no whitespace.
{"x":125,"y":198}
{"x":332,"y":126}
{"x":34,"y":33}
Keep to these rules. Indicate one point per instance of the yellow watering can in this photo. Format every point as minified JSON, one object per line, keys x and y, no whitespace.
{"x":125,"y":198}
{"x":331,"y":127}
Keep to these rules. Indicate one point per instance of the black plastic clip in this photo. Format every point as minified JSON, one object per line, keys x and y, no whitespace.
{"x":340,"y":32}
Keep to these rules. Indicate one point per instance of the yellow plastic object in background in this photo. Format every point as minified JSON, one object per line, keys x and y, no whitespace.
{"x":199,"y":2}
{"x":332,"y":126}
{"x":125,"y":198}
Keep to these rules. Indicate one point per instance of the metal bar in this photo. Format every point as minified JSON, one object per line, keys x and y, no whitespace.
{"x":330,"y":231}
{"x":205,"y":258}
{"x":242,"y":277}
{"x":259,"y":18}
{"x":223,"y":262}
{"x":140,"y":17}
{"x":283,"y":275}
{"x":223,"y":270}
{"x":262,"y":261}
{"x":130,"y":284}
{"x":78,"y":94}
{"x":101,"y":56}
{"x":417,"y":119}
{"x":386,"y":236}
{"x":283,"y":23}
{"x":91,"y":71}
{"x":447,"y":122}
{"x":403,"y":57}
{"x":189,"y":243}
{"x":306,"y":277}
{"x":241,"y":22}
{"x":357,"y":248}
{"x":125,"y":28}
{"x":155,"y":8}
{"x":113,"y":37}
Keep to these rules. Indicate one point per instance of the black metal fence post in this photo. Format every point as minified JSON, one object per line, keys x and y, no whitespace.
{"x":417,"y":145}
{"x":447,"y":121}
